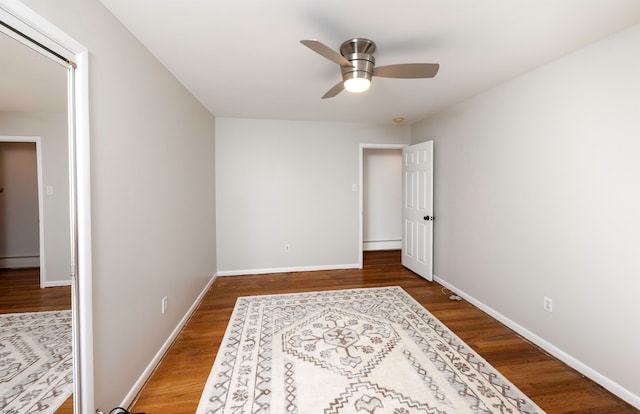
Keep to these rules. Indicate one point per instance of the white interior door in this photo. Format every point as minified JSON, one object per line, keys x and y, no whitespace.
{"x":417,"y":208}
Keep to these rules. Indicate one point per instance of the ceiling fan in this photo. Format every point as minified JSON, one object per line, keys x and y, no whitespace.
{"x":358,"y":65}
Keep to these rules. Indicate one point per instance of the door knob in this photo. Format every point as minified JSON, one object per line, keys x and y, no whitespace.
{"x":427,"y":218}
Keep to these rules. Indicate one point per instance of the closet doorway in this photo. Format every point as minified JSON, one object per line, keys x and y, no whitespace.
{"x":380,"y":197}
{"x":30,"y":36}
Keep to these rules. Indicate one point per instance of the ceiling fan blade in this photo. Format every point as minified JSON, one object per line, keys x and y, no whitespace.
{"x":334,"y":91}
{"x":326,"y":51}
{"x":407,"y":70}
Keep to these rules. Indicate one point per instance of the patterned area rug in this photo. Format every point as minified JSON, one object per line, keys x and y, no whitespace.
{"x":36,"y":374}
{"x":363,"y":351}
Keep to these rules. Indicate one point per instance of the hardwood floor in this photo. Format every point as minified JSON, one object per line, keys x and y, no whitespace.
{"x":177,"y":384}
{"x":20,"y":292}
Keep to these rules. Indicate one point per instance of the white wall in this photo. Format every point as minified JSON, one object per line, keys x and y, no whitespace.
{"x":382,"y":199}
{"x":153,"y":195}
{"x":51,"y":127}
{"x":537,"y":194}
{"x":290,"y":182}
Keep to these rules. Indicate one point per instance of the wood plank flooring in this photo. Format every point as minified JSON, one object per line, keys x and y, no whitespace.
{"x":20,"y":292}
{"x":177,"y":384}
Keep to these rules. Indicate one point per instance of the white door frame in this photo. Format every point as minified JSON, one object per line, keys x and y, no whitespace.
{"x":361,"y":193}
{"x":20,"y":17}
{"x":36,"y":140}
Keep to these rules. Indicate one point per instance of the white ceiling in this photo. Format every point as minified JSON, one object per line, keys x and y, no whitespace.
{"x":28,"y":80}
{"x":242,"y":58}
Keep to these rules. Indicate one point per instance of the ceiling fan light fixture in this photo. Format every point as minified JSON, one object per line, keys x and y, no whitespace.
{"x":357,"y":65}
{"x":357,"y":84}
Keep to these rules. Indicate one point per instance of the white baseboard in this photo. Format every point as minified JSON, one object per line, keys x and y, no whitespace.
{"x":382,"y":245}
{"x":129,"y":399}
{"x":19,"y":262}
{"x":55,"y":283}
{"x":286,"y":270}
{"x":584,"y":369}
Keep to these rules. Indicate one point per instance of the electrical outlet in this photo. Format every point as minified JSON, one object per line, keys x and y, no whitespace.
{"x":286,"y":248}
{"x":165,"y":304}
{"x":547,"y":304}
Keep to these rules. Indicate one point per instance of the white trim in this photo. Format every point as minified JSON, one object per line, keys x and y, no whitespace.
{"x":361,"y":194}
{"x":83,"y":198}
{"x":43,"y":251}
{"x":372,"y":245}
{"x":20,"y":263}
{"x":19,"y":16}
{"x":29,"y":262}
{"x":287,"y":270}
{"x":574,"y":363}
{"x":130,"y":398}
{"x":56,"y":283}
{"x":36,"y":48}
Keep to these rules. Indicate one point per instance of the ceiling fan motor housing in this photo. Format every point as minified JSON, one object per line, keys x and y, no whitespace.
{"x":357,"y":65}
{"x":360,"y":53}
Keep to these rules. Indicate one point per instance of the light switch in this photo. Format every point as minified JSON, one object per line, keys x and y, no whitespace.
{"x":354,"y":187}
{"x":49,"y":189}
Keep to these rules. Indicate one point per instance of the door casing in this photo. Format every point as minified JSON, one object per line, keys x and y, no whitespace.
{"x":361,"y":193}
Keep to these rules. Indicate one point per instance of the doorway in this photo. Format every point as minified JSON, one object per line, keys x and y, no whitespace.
{"x":382,"y":193}
{"x":34,"y":201}
{"x":380,"y":198}
{"x":35,"y":228}
{"x":19,"y":206}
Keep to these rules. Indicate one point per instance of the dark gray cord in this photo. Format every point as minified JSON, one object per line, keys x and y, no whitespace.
{"x":122,"y":411}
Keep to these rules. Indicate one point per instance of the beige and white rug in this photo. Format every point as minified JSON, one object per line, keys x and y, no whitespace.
{"x":36,"y":374}
{"x":362,"y":351}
